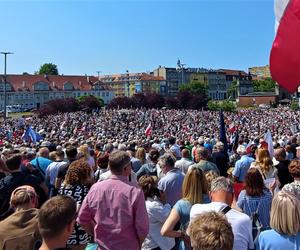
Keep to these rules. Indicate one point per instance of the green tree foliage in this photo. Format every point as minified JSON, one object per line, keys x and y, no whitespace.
{"x":90,"y":102}
{"x":231,"y":91}
{"x":294,"y":105}
{"x":48,"y":69}
{"x":195,"y":87}
{"x":221,"y":105}
{"x":266,"y":85}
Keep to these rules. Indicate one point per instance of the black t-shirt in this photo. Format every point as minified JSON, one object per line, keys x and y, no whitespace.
{"x":9,"y":183}
{"x":284,"y":175}
{"x":62,"y":171}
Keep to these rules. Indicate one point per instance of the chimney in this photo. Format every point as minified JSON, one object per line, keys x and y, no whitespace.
{"x":53,"y":84}
{"x":23,"y":84}
{"x":87,"y":78}
{"x":79,"y":83}
{"x":45,"y":76}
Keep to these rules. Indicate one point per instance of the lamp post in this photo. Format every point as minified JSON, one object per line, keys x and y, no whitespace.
{"x":5,"y":55}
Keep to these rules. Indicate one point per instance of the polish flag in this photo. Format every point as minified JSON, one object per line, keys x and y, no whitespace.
{"x":248,"y":147}
{"x":232,"y":127}
{"x":285,"y":56}
{"x":148,"y":130}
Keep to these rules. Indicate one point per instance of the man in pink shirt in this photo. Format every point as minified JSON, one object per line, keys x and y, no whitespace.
{"x":114,"y":210}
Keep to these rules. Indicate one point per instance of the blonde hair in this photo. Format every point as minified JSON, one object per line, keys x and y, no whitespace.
{"x":84,"y":149}
{"x":285,"y":213}
{"x":264,"y":160}
{"x":211,"y":230}
{"x":141,"y":155}
{"x":194,"y":186}
{"x":22,"y":196}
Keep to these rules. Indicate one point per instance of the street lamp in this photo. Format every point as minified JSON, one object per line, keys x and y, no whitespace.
{"x":5,"y":55}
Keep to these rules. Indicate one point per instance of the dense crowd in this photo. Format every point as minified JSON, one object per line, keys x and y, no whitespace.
{"x":151,"y":179}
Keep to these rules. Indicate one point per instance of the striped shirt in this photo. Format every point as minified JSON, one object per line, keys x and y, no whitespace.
{"x":250,"y":204}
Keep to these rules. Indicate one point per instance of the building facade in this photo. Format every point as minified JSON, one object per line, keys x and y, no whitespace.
{"x":32,"y":91}
{"x":130,"y":84}
{"x":260,"y":73}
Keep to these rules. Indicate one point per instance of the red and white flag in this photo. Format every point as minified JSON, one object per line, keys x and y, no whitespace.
{"x":232,"y":127}
{"x":148,"y":130}
{"x":285,"y":56}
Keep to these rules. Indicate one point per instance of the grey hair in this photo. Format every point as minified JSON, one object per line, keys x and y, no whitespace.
{"x":167,"y":159}
{"x":221,"y":184}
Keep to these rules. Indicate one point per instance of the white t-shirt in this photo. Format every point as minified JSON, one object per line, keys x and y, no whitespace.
{"x":241,"y":223}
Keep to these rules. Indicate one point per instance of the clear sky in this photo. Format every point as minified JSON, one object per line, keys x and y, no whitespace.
{"x":83,"y":37}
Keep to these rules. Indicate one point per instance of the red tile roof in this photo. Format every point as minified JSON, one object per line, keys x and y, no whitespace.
{"x":233,"y":72}
{"x":26,"y":82}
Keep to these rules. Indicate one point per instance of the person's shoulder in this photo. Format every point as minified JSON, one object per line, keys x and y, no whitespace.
{"x":268,"y":234}
{"x":199,"y":208}
{"x":238,"y":216}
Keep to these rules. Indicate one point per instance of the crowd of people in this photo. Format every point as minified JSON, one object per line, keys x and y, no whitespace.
{"x":101,"y":180}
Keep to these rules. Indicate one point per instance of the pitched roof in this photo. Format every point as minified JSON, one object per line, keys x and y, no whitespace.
{"x":55,"y":82}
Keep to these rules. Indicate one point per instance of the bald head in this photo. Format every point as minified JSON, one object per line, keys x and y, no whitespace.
{"x":280,"y":154}
{"x":44,"y":152}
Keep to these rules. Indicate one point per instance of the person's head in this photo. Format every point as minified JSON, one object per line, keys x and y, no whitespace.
{"x":71,"y":152}
{"x":84,"y":151}
{"x":194,"y":186}
{"x":108,"y":148}
{"x":280,"y":154}
{"x":148,"y":184}
{"x":167,"y":162}
{"x":241,"y":150}
{"x":254,"y":183}
{"x":60,"y":155}
{"x":13,"y":162}
{"x":294,"y":169}
{"x":220,"y":146}
{"x":285,"y":213}
{"x":153,"y":155}
{"x":172,"y":140}
{"x":210,"y":231}
{"x":201,"y":154}
{"x":185,"y":153}
{"x":56,"y":220}
{"x":23,"y":197}
{"x":141,"y":154}
{"x":44,"y":152}
{"x":79,"y":173}
{"x":221,"y":190}
{"x":210,"y":176}
{"x":264,"y":159}
{"x":52,"y":155}
{"x":119,"y":163}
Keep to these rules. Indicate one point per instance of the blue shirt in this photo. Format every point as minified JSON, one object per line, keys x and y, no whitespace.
{"x":41,"y":164}
{"x":171,"y":184}
{"x":249,"y":205}
{"x":183,"y":208}
{"x":272,"y":240}
{"x":241,"y":167}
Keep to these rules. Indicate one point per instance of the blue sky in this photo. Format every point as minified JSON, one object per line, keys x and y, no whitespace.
{"x":83,"y":37}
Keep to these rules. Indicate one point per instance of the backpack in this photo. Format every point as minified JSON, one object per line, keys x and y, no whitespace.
{"x":257,"y":226}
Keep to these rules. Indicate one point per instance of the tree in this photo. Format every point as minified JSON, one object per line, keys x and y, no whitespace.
{"x":195,"y":87}
{"x":266,"y":85}
{"x":48,"y":69}
{"x":294,"y":105}
{"x":90,"y":102}
{"x":231,"y":91}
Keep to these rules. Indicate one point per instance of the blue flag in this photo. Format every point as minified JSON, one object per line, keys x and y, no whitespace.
{"x":30,"y":134}
{"x":223,"y":132}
